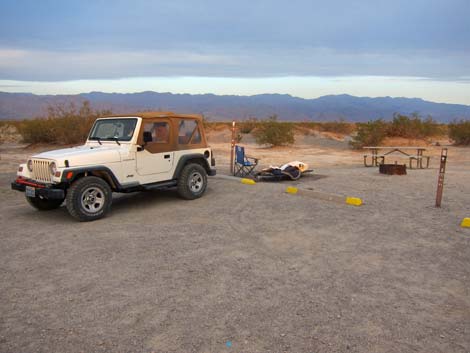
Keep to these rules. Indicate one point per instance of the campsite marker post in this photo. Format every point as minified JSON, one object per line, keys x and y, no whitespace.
{"x":232,"y":147}
{"x":440,"y":180}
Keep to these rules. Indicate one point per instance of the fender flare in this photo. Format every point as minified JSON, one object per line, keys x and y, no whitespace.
{"x":100,"y":169}
{"x":199,"y":157}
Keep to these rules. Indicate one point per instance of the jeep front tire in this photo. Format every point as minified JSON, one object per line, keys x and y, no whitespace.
{"x":89,"y":198}
{"x":192,"y":181}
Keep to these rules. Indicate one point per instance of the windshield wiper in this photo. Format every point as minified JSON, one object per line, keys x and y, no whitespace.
{"x":115,"y":139}
{"x":96,"y":138}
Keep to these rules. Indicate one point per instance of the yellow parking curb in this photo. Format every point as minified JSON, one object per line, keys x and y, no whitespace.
{"x":355,"y":201}
{"x":248,"y":181}
{"x":292,"y":190}
{"x":465,"y":223}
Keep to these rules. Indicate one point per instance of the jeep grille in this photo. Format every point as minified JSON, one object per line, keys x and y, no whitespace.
{"x":41,"y":170}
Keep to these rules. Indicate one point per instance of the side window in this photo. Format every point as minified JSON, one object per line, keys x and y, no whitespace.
{"x":188,"y":132}
{"x":160,"y":131}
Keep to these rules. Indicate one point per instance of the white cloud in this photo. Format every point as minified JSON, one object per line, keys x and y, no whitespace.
{"x":41,"y":65}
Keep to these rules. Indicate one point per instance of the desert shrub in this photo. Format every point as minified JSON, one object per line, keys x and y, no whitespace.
{"x":430,"y":128}
{"x":274,"y":133}
{"x":370,"y":134}
{"x":341,"y":127}
{"x":459,"y":132}
{"x":36,"y":131}
{"x":217,"y":126}
{"x":414,"y":127}
{"x":64,"y":124}
{"x":247,"y":126}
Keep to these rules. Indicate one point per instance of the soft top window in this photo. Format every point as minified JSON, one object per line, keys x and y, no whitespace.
{"x":160,"y":131}
{"x":188,"y":132}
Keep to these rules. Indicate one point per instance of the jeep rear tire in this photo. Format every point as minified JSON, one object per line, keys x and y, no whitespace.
{"x":89,"y":198}
{"x":43,"y":204}
{"x":192,"y":181}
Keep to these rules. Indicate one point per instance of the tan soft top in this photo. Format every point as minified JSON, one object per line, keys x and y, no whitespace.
{"x":152,"y":115}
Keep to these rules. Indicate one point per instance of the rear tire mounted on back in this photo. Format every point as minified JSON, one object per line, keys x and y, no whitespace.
{"x":192,"y":181}
{"x":89,"y":198}
{"x":43,"y":204}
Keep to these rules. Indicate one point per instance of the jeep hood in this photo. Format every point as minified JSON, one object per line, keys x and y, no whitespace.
{"x":83,"y":155}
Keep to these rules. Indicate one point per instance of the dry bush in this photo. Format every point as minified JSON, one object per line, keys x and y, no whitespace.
{"x":247,"y":126}
{"x":374,"y":132}
{"x":217,"y":126}
{"x":369,"y":134}
{"x":64,"y":124}
{"x":414,"y":127}
{"x":340,"y":127}
{"x":459,"y":132}
{"x":274,"y":133}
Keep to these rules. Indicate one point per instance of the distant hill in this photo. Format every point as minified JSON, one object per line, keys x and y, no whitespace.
{"x":286,"y":107}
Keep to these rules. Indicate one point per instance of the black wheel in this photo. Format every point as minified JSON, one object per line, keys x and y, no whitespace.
{"x":43,"y":204}
{"x":89,"y":198}
{"x":192,"y":181}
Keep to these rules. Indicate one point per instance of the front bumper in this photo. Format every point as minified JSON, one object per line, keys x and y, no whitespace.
{"x":40,"y":190}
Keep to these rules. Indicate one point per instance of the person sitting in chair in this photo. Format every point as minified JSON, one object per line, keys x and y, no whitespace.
{"x":160,"y":132}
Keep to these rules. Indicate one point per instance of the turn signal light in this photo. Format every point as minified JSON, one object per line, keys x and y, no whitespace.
{"x":69,"y":175}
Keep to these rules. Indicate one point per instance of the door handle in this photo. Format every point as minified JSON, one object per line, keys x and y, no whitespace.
{"x":166,"y":156}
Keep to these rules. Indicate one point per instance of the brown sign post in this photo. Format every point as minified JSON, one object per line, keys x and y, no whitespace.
{"x":232,"y":148}
{"x":440,"y":181}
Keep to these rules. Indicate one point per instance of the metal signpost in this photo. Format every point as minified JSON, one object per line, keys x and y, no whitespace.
{"x":232,"y":148}
{"x":440,"y":181}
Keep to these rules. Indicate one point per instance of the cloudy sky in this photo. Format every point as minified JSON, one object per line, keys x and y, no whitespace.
{"x":413,"y":48}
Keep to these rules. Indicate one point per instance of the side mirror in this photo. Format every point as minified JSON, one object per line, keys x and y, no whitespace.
{"x":147,"y":137}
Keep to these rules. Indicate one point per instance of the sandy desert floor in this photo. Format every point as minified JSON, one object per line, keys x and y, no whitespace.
{"x":245,"y":264}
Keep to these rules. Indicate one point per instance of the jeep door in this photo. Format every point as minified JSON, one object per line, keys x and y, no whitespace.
{"x":157,"y":155}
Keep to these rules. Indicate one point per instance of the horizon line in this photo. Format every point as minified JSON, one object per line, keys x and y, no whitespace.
{"x":235,"y":95}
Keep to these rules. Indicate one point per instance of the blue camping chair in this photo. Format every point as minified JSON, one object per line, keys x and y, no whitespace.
{"x":244,"y":165}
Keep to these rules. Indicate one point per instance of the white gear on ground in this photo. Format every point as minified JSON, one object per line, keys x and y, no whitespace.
{"x":300,"y":165}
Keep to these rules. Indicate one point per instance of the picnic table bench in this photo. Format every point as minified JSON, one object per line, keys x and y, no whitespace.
{"x":377,"y":159}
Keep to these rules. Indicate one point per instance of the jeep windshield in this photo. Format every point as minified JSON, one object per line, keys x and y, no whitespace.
{"x":113,"y":129}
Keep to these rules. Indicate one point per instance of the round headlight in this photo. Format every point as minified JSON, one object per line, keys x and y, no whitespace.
{"x":53,"y":168}
{"x":30,"y":165}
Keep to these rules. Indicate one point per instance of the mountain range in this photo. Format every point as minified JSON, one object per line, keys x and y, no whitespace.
{"x":228,"y":107}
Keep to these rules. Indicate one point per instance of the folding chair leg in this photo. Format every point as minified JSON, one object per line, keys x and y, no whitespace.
{"x":238,"y":171}
{"x":249,"y":170}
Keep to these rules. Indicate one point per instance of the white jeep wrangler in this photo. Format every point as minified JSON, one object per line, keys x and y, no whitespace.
{"x":143,"y":151}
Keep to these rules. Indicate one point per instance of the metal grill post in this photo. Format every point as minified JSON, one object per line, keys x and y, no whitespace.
{"x":232,"y":147}
{"x":440,"y":181}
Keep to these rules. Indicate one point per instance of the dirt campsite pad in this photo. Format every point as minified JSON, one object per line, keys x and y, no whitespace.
{"x":246,"y":268}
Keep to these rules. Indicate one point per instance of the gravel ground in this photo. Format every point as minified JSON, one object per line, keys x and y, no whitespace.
{"x":246,"y":266}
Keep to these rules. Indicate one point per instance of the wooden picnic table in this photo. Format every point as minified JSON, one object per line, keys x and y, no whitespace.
{"x":378,"y":159}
